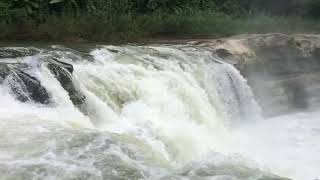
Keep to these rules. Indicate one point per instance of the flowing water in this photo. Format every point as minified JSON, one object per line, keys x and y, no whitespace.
{"x":151,"y":112}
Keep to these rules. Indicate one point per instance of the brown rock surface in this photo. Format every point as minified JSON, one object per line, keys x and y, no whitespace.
{"x":282,"y":70}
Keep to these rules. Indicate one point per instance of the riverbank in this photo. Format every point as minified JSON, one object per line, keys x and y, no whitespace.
{"x":146,"y":28}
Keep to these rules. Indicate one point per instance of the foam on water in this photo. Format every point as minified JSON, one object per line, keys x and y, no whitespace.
{"x":155,"y":112}
{"x":287,"y":145}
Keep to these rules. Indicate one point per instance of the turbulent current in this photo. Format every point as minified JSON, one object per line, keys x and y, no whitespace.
{"x":151,"y":112}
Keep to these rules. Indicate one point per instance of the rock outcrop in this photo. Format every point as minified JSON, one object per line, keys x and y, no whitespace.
{"x":282,"y":70}
{"x":8,"y":52}
{"x":17,"y":76}
{"x":64,"y":75}
{"x":24,"y":86}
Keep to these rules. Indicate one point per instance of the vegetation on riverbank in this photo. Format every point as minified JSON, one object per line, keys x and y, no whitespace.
{"x":139,"y":20}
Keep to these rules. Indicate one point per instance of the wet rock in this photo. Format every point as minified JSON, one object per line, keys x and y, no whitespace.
{"x":63,"y":74}
{"x":61,"y":64}
{"x":24,"y":86}
{"x":14,"y":52}
{"x":223,"y":53}
{"x":61,"y":52}
{"x":282,"y":70}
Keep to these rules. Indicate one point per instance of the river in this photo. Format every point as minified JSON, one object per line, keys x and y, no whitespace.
{"x":151,"y":112}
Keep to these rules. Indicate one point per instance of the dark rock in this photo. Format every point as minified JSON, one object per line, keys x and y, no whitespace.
{"x":64,"y":65}
{"x":24,"y":86}
{"x":34,"y":88}
{"x":64,"y":76}
{"x":4,"y":71}
{"x":60,"y":52}
{"x":14,"y":52}
{"x":223,"y":53}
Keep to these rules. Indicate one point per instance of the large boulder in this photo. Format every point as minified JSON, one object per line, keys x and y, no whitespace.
{"x":282,"y":70}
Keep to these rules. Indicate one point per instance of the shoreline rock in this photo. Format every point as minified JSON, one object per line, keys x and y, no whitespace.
{"x":282,"y":70}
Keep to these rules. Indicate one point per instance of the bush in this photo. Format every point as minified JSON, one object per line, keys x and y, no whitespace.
{"x":133,"y":20}
{"x":313,"y":8}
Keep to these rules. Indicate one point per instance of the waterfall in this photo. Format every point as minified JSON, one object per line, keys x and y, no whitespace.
{"x":148,"y":111}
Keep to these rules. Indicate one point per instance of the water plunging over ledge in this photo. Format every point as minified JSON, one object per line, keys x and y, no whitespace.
{"x":138,"y":112}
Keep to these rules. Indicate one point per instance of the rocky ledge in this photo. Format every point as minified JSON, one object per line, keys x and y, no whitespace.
{"x":282,"y":70}
{"x":19,"y":78}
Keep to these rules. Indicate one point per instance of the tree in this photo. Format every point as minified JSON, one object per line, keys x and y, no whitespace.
{"x":313,"y":8}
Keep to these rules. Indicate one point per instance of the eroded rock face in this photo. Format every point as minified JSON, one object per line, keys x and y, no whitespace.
{"x":25,"y":87}
{"x":64,"y":76}
{"x":282,"y":70}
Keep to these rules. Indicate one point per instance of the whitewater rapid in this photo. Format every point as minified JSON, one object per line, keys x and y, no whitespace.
{"x":151,"y":112}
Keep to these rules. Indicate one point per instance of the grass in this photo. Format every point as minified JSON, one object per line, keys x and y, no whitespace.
{"x":138,"y":28}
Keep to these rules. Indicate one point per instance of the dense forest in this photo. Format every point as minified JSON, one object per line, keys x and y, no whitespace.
{"x":130,"y":20}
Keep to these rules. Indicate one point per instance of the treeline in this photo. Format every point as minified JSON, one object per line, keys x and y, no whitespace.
{"x":131,"y":20}
{"x":17,"y":10}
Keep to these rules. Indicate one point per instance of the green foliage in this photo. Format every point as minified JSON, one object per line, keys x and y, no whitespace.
{"x":232,"y":7}
{"x":4,"y":10}
{"x":313,"y":8}
{"x":44,"y":8}
{"x":41,"y":9}
{"x":128,"y":20}
{"x":18,"y":10}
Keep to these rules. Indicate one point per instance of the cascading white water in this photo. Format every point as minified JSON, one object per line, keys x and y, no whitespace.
{"x":149,"y":112}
